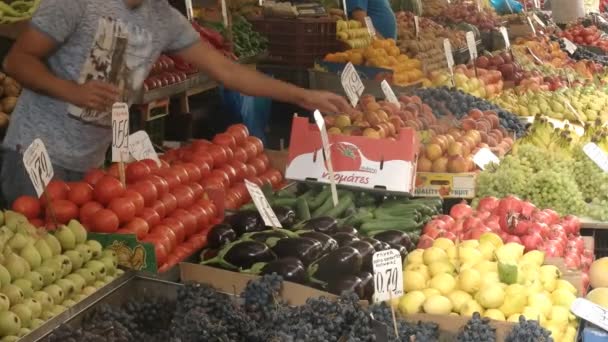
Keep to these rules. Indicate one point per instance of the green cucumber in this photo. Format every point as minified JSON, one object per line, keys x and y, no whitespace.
{"x":317,"y":201}
{"x":414,"y":215}
{"x":284,"y":202}
{"x":344,"y":202}
{"x":405,"y":225}
{"x":302,"y":210}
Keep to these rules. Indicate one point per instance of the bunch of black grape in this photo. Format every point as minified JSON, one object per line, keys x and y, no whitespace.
{"x":421,"y":331}
{"x":583,"y":52}
{"x":101,"y":331}
{"x":528,"y":331}
{"x":477,"y":329}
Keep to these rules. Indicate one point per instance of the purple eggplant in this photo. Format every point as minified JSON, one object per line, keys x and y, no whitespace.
{"x":349,"y":283}
{"x":347,"y":229}
{"x":385,"y":246}
{"x":328,"y":244}
{"x":367,"y":253}
{"x":303,"y":248}
{"x":268,"y":236}
{"x":334,"y":265}
{"x":242,"y":255}
{"x":285,"y":215}
{"x":344,"y":239}
{"x":324,"y":224}
{"x":220,"y":235}
{"x":401,"y":249}
{"x":291,"y":269}
{"x":367,"y":284}
{"x":375,"y":243}
{"x":392,"y":237}
{"x":246,"y":221}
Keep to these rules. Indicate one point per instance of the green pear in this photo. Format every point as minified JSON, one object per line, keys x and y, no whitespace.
{"x":109,"y":253}
{"x":48,"y":314}
{"x":36,"y":279}
{"x":79,"y":297}
{"x":98,"y":267}
{"x":108,"y":279}
{"x":88,"y":275}
{"x":13,"y":219}
{"x":55,"y":291}
{"x":57,"y":309}
{"x":31,"y":255}
{"x":35,"y":307}
{"x":5,"y":276}
{"x":66,"y":265}
{"x":24,"y":313}
{"x":5,"y":303}
{"x":85,"y":251}
{"x":67,"y":286}
{"x":66,"y":238}
{"x":10,"y":323}
{"x":25,"y":286}
{"x":16,"y":266}
{"x":111,"y":265}
{"x":99,"y":284}
{"x":14,"y":293}
{"x":68,"y":303}
{"x":119,"y":272}
{"x":89,"y":290}
{"x":23,"y":331}
{"x":26,"y":229}
{"x":43,"y":249}
{"x":18,"y":241}
{"x":96,"y":248}
{"x":53,"y":263}
{"x":44,"y":299}
{"x":11,"y":338}
{"x":75,"y":258}
{"x":5,"y":234}
{"x":49,"y":275}
{"x":36,"y":322}
{"x":80,"y":233}
{"x":53,"y":243}
{"x":78,"y":280}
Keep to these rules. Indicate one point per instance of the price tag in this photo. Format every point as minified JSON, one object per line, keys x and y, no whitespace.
{"x":325,"y":142}
{"x":472,"y":45}
{"x":389,"y":94}
{"x":417,"y":26}
{"x":262,"y":205}
{"x":534,"y":56}
{"x":345,"y":9}
{"x":531,"y":25}
{"x":505,"y":36}
{"x":569,"y":106}
{"x":596,"y":154}
{"x":537,"y":4}
{"x":351,"y":82}
{"x":38,"y":165}
{"x":189,"y":10}
{"x":224,"y":13}
{"x":370,"y":27}
{"x":570,"y":46}
{"x":449,"y":58}
{"x":388,"y":275}
{"x":590,"y":312}
{"x":484,"y":157}
{"x":140,"y":147}
{"x":120,"y":132}
{"x":537,"y":19}
{"x":601,"y":19}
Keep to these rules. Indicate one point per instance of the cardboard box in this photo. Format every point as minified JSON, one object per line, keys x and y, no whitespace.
{"x":357,"y":161}
{"x":446,"y":185}
{"x":450,"y":326}
{"x":278,"y":159}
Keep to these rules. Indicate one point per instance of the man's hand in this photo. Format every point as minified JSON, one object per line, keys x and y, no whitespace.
{"x":324,"y":101}
{"x":95,"y":95}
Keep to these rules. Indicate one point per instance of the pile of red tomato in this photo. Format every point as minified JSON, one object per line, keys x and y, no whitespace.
{"x":581,"y":35}
{"x":164,"y":204}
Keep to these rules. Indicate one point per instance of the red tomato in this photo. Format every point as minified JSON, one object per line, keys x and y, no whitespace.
{"x":159,"y":207}
{"x":172,"y":260}
{"x":189,"y":221}
{"x":37,"y":223}
{"x":161,"y":253}
{"x":172,"y":179}
{"x":251,"y":171}
{"x":126,"y":231}
{"x":230,"y":172}
{"x":148,"y":191}
{"x":259,"y":145}
{"x":136,"y":198}
{"x":181,"y":173}
{"x":87,"y":211}
{"x":114,"y":171}
{"x":274,"y":176}
{"x":251,"y":150}
{"x":205,"y":170}
{"x":28,"y":206}
{"x":224,"y":139}
{"x":150,"y":216}
{"x":152,"y":164}
{"x":241,"y":190}
{"x":93,"y":175}
{"x":239,"y":132}
{"x":200,"y":144}
{"x":170,"y":202}
{"x":240,"y":168}
{"x":265,"y":159}
{"x":218,"y":154}
{"x":199,"y":240}
{"x":223,"y":175}
{"x":161,"y":185}
{"x":256,"y":180}
{"x":239,"y":153}
{"x":80,"y":193}
{"x":139,"y":226}
{"x":231,"y":202}
{"x":197,"y":190}
{"x":213,"y":182}
{"x":209,"y":206}
{"x":184,"y":196}
{"x":123,"y":208}
{"x":229,"y":153}
{"x":64,"y":211}
{"x":259,"y":165}
{"x":201,"y":215}
{"x":56,"y":190}
{"x":165,"y":236}
{"x":107,"y":188}
{"x":202,"y":157}
{"x":264,"y":179}
{"x":136,"y":171}
{"x":176,"y":226}
{"x":194,"y":172}
{"x":105,"y":221}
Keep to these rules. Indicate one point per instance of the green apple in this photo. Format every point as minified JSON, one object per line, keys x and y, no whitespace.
{"x":110,"y":263}
{"x":13,"y":219}
{"x":30,"y":254}
{"x":109,"y":253}
{"x":49,"y":274}
{"x":85,"y":251}
{"x":18,"y":241}
{"x":108,"y":279}
{"x":10,"y":323}
{"x":119,"y":272}
{"x":67,"y":286}
{"x":44,"y":299}
{"x":25,"y":286}
{"x":80,"y":233}
{"x":14,"y":293}
{"x":98,"y":267}
{"x":96,"y":248}
{"x":88,"y":275}
{"x":24,"y":313}
{"x":68,"y":303}
{"x":57,"y":309}
{"x":89,"y":290}
{"x":66,"y":265}
{"x":5,"y":276}
{"x":16,"y":266}
{"x":43,"y":249}
{"x":24,"y":331}
{"x":79,"y":297}
{"x":99,"y":284}
{"x":5,"y":303}
{"x":36,"y":279}
{"x":66,"y":238}
{"x":48,"y":314}
{"x":11,"y":338}
{"x":78,"y":281}
{"x":75,"y":258}
{"x":35,"y":323}
{"x":53,"y":243}
{"x":35,"y":307}
{"x":56,"y":292}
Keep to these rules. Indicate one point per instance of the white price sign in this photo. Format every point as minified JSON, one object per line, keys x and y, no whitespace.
{"x":417,"y":25}
{"x":224,"y":13}
{"x":389,"y":94}
{"x":472,"y":45}
{"x":483,"y":157}
{"x":531,"y":25}
{"x":141,"y":147}
{"x":120,"y":132}
{"x":388,"y":275}
{"x":571,"y":109}
{"x":325,"y":143}
{"x":590,"y":312}
{"x":570,"y":46}
{"x":596,"y":154}
{"x":505,"y":36}
{"x":537,"y":19}
{"x":449,"y":56}
{"x":262,"y":205}
{"x":38,"y":165}
{"x":370,"y":27}
{"x":351,"y":82}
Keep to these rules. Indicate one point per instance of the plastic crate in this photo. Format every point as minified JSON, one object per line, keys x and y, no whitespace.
{"x":298,"y":42}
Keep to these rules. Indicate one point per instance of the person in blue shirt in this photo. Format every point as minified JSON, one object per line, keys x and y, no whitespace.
{"x":379,"y":11}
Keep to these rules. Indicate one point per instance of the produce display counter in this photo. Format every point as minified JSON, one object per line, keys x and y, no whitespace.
{"x":193,"y":85}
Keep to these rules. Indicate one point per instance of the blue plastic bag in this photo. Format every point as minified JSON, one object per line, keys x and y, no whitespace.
{"x":506,"y":6}
{"x":253,"y":112}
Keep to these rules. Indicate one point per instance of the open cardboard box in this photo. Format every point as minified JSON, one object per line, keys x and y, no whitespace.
{"x":445,"y":185}
{"x":450,"y":326}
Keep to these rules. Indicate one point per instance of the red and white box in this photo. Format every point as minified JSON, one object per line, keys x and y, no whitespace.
{"x":358,"y":161}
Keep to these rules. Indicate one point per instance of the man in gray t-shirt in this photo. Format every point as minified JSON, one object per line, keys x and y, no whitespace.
{"x":79,"y":57}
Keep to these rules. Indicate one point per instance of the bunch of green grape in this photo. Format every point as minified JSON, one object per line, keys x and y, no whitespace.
{"x":591,"y":180}
{"x":556,"y":190}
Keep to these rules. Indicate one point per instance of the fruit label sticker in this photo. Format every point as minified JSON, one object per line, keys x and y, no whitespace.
{"x":389,"y":94}
{"x":596,"y":154}
{"x":351,"y":82}
{"x":388,"y":275}
{"x":417,"y":26}
{"x":224,"y":13}
{"x":472,"y":45}
{"x":537,"y":19}
{"x":141,"y":147}
{"x":531,"y":25}
{"x":505,"y":36}
{"x":120,"y":132}
{"x":38,"y":165}
{"x":261,"y":203}
{"x":370,"y":27}
{"x":570,"y":46}
{"x":484,"y":157}
{"x":325,"y":142}
{"x":590,"y":312}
